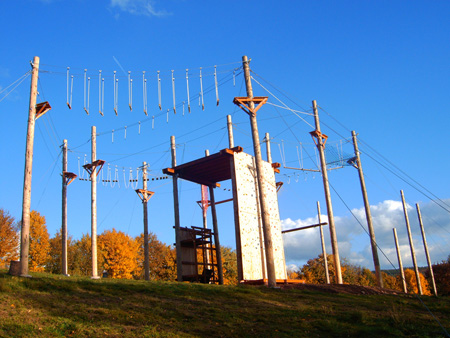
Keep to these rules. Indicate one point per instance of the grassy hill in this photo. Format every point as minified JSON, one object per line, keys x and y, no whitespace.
{"x":55,"y":306}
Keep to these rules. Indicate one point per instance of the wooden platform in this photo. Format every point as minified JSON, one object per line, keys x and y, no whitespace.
{"x":279,"y":281}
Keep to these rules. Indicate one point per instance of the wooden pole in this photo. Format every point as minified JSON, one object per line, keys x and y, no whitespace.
{"x":205,"y":220}
{"x":411,"y":244}
{"x":324,"y":251}
{"x":144,"y":204}
{"x":373,"y":242}
{"x":176,"y":211}
{"x":26,"y":201}
{"x":399,"y":256}
{"x":216,"y":234}
{"x":323,"y":165}
{"x":269,"y":154}
{"x":64,"y":212}
{"x":230,"y":132}
{"x":271,"y":276}
{"x":94,"y":203}
{"x":425,"y":245}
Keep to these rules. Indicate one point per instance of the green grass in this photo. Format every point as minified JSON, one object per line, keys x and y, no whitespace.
{"x":55,"y":306}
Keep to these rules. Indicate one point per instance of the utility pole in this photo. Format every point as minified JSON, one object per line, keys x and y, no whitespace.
{"x":26,"y":201}
{"x":93,"y":170}
{"x":411,"y":244}
{"x":324,"y":251}
{"x":230,"y":132}
{"x":373,"y":242}
{"x":216,"y":234}
{"x":176,"y":211}
{"x":320,"y":140}
{"x":268,"y":152}
{"x":204,"y":204}
{"x":399,"y":256}
{"x":94,"y":203}
{"x":64,"y":212}
{"x":271,"y":276}
{"x":67,"y":178}
{"x":425,"y":245}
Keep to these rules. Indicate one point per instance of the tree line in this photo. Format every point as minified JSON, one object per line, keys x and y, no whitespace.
{"x":314,"y":272}
{"x":119,"y":254}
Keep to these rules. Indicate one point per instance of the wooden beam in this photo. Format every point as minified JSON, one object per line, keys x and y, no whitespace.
{"x":305,"y":227}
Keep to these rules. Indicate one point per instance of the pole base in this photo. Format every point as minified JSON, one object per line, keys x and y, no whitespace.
{"x":95,"y":277}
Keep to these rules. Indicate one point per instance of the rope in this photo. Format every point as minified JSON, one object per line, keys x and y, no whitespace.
{"x":201,"y":89}
{"x":21,"y":79}
{"x":187,"y":89}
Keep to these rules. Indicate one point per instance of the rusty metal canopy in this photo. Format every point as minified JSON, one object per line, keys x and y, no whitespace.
{"x":207,"y":170}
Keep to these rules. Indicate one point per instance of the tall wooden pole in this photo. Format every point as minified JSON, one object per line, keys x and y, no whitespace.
{"x":400,"y":264}
{"x":204,"y":216}
{"x":230,"y":132}
{"x":216,"y":234}
{"x":176,"y":211}
{"x":64,"y":212}
{"x":268,"y":152}
{"x":26,"y":201}
{"x":94,"y":203}
{"x":425,"y":245}
{"x":373,"y":242}
{"x":324,"y":251}
{"x":271,"y":276}
{"x":411,"y":244}
{"x":144,"y":204}
{"x":323,"y":166}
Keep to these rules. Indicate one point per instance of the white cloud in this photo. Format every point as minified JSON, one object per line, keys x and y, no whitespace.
{"x":353,"y":241}
{"x":138,"y":7}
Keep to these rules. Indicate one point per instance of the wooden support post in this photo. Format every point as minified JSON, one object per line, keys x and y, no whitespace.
{"x":271,"y":276}
{"x":64,"y":212}
{"x":230,"y":132}
{"x":269,"y":154}
{"x":204,"y":215}
{"x":323,"y":165}
{"x":216,"y":234}
{"x":411,"y":244}
{"x":144,"y":204}
{"x":94,"y":203}
{"x":324,"y":251}
{"x":26,"y":201}
{"x":176,"y":211}
{"x":373,"y":242}
{"x":425,"y":245}
{"x":399,"y":256}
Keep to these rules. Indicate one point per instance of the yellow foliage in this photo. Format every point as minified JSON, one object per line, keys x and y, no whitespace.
{"x":9,"y":238}
{"x":119,"y":252}
{"x":411,"y":282}
{"x":39,"y":242}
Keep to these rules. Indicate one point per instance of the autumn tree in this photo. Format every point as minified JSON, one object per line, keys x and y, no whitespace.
{"x":119,"y":252}
{"x":390,"y":282}
{"x":9,"y":238}
{"x":411,"y":282}
{"x":441,"y":274}
{"x":229,"y":265}
{"x":54,"y":264}
{"x":314,"y":270}
{"x":81,"y":263}
{"x":162,"y":264}
{"x":39,"y":242}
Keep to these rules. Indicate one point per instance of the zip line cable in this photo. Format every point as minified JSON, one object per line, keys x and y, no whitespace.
{"x":397,"y":270}
{"x":18,"y":81}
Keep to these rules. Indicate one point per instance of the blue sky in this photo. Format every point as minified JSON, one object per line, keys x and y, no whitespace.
{"x":380,"y":68}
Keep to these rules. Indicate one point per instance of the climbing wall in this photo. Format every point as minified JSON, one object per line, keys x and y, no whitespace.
{"x":249,"y":234}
